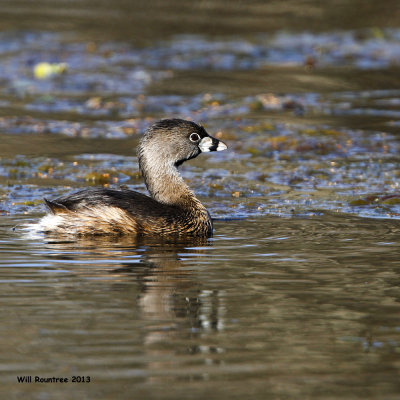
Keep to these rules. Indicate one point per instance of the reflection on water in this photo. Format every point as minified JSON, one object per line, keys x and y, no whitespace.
{"x":304,"y":305}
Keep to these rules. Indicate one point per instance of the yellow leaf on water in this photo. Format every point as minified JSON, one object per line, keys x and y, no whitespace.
{"x":45,"y":70}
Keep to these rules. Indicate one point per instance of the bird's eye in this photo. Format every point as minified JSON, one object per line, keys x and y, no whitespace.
{"x":194,"y":137}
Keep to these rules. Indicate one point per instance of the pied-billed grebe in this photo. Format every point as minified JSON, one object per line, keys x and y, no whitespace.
{"x":172,"y":209}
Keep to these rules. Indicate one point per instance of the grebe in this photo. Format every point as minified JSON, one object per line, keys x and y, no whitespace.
{"x":172,"y":209}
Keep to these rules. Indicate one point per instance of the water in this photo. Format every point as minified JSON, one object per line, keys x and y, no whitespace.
{"x":300,"y":307}
{"x":296,"y":295}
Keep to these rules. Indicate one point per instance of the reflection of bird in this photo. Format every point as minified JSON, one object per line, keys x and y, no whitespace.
{"x":172,"y":208}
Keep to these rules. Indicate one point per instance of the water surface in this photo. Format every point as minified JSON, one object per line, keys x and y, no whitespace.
{"x":305,"y":308}
{"x":297,"y":294}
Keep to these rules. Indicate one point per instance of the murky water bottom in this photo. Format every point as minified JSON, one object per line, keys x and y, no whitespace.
{"x":268,"y":308}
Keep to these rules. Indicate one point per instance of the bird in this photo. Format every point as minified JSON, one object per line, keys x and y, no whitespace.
{"x":172,"y":209}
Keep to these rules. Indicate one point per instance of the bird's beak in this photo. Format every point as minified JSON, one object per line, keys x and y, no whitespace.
{"x":210,"y":143}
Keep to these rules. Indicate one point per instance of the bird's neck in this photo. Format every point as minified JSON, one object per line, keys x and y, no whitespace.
{"x":165,"y":183}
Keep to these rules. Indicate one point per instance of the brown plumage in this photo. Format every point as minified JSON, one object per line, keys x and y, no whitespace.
{"x":172,"y":208}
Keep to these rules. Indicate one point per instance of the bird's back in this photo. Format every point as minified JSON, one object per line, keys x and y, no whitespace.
{"x":107,"y":211}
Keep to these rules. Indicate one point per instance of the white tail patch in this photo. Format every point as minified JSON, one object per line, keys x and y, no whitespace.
{"x":87,"y":221}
